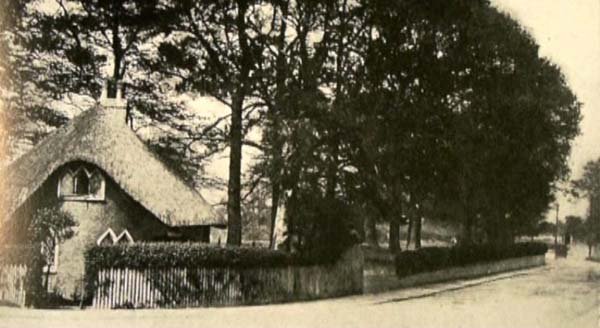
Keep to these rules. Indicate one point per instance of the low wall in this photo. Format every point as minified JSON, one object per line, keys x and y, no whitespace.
{"x":198,"y":287}
{"x":381,"y":277}
{"x":12,"y":284}
{"x":472,"y":271}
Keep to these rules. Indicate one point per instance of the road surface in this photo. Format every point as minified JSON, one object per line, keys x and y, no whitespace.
{"x":564,"y":293}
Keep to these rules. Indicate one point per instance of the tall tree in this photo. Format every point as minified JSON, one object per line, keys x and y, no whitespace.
{"x":513,"y":127}
{"x":588,"y":185}
{"x":65,"y":49}
{"x":95,"y":35}
{"x":459,"y":108}
{"x":25,"y":112}
{"x":303,"y":45}
{"x":211,"y":50}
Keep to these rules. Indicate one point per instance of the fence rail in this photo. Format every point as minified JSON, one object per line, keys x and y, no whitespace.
{"x":12,"y":284}
{"x":197,"y":287}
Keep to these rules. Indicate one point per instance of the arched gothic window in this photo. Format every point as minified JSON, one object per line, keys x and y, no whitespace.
{"x":81,"y":182}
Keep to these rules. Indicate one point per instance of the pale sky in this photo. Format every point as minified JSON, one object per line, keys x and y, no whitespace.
{"x":568,"y":32}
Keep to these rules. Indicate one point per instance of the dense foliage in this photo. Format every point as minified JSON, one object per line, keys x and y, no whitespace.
{"x":457,"y":133}
{"x":189,"y":255}
{"x":436,"y":258}
{"x":403,"y":110}
{"x":49,"y":227}
{"x":588,"y":186}
{"x":165,"y":255}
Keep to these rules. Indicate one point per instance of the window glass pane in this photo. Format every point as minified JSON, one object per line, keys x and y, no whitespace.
{"x":81,"y":183}
{"x":66,"y":184}
{"x":96,"y":183}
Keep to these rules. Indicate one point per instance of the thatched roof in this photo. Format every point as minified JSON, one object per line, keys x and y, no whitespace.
{"x":101,"y":137}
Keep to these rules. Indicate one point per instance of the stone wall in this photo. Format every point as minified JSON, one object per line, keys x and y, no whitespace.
{"x":379,"y":269}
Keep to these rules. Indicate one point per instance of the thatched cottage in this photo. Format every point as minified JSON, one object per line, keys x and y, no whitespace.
{"x":97,"y":169}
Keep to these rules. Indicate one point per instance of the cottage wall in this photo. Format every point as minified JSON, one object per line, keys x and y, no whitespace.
{"x":117,"y":211}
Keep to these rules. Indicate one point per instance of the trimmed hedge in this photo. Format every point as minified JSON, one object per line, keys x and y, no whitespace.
{"x":166,"y":255}
{"x":186,"y":255}
{"x":436,"y":258}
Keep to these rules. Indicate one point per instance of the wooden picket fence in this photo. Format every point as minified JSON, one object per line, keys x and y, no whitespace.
{"x":222,"y":286}
{"x":12,"y":284}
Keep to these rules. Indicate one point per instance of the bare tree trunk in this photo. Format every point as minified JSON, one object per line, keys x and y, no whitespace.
{"x":116,"y":46}
{"x":418,"y":226}
{"x":409,"y":232}
{"x":276,"y":112}
{"x":334,"y":145}
{"x":234,"y":209}
{"x":467,"y":227}
{"x":332,"y":172}
{"x":234,"y":215}
{"x":371,"y":231}
{"x":291,"y":207}
{"x":394,"y":245}
{"x":274,"y":207}
{"x":467,"y":237}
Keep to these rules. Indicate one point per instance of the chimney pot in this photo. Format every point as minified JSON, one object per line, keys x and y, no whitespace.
{"x":112,"y":98}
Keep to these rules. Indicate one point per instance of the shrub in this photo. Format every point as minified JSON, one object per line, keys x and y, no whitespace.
{"x":185,"y":255}
{"x":49,"y":227}
{"x":437,"y":258}
{"x":165,"y":255}
{"x":322,"y":227}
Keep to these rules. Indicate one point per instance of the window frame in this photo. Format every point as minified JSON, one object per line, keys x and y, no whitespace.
{"x":109,"y":233}
{"x":100,"y":196}
{"x":124,"y":238}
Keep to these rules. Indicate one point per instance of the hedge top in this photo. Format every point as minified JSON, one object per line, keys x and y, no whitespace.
{"x":436,"y":258}
{"x":164,"y":255}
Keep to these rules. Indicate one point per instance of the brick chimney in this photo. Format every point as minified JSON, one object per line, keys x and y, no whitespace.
{"x":113,"y":102}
